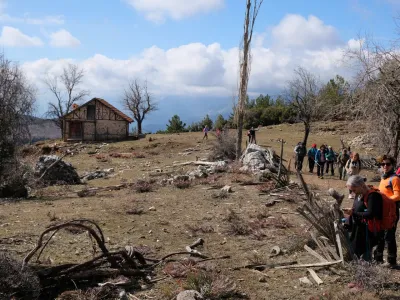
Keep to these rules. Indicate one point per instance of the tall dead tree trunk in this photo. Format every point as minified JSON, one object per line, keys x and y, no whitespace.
{"x":307,"y":128}
{"x":245,"y":64}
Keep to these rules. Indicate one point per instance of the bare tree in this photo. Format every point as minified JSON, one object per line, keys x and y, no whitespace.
{"x":65,"y":88}
{"x":378,"y":92}
{"x":303,"y":92}
{"x":17,"y":98}
{"x":252,"y":10}
{"x":139,"y":102}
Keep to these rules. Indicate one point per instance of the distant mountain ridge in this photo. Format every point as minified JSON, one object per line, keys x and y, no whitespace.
{"x":42,"y":129}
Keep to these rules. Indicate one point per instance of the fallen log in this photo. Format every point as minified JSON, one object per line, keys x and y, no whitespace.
{"x":321,"y":264}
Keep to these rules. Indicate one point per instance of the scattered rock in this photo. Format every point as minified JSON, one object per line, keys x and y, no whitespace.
{"x":227,"y":188}
{"x":60,"y":170}
{"x":275,"y":251}
{"x":189,"y":295}
{"x":152,"y":208}
{"x":270,"y":203}
{"x":305,"y":281}
{"x":97,"y":174}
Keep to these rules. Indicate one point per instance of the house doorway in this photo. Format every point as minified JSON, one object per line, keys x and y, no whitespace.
{"x":75,"y":130}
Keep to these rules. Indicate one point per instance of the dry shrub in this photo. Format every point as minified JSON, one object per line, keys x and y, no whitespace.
{"x":241,"y":178}
{"x":138,"y":155}
{"x":200,"y":228}
{"x":257,"y":258}
{"x":179,"y":269}
{"x":46,"y":149}
{"x":279,"y":223}
{"x":221,"y":194}
{"x":210,"y":285}
{"x":237,"y":225}
{"x":370,"y":276}
{"x":101,"y":158}
{"x":104,"y":292}
{"x":224,"y":147}
{"x":15,"y":283}
{"x":52,"y":216}
{"x":266,"y":187}
{"x":182,"y":184}
{"x":115,"y":155}
{"x":135,"y":211}
{"x":143,"y":186}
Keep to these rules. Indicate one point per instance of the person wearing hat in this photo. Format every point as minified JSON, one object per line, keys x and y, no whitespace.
{"x":330,"y":160}
{"x":311,"y":157}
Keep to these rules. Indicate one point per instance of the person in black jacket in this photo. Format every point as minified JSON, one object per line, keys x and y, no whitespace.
{"x":367,"y":206}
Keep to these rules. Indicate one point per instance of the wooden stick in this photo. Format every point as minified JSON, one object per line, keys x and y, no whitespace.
{"x":321,"y":264}
{"x":315,"y":276}
{"x":265,"y":266}
{"x":339,"y":244}
{"x":330,"y":249}
{"x":315,"y":254}
{"x":320,"y":246}
{"x":280,"y":160}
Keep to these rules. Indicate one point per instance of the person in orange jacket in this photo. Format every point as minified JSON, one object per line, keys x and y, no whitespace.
{"x":390,"y":186}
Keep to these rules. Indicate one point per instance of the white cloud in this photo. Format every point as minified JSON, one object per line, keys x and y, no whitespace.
{"x":158,"y":10}
{"x":13,"y":37}
{"x":297,"y":31}
{"x":63,"y":39}
{"x":209,"y":70}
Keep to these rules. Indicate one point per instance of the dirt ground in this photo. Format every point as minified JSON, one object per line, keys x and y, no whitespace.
{"x":180,"y":216}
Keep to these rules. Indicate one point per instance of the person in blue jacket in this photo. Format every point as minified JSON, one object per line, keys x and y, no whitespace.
{"x":311,"y":157}
{"x":320,"y":160}
{"x":330,"y":160}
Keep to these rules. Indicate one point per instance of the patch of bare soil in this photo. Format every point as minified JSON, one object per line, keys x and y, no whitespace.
{"x":137,"y":206}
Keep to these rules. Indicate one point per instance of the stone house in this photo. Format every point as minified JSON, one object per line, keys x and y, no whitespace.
{"x":96,"y":120}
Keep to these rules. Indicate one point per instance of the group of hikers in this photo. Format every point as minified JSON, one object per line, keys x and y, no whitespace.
{"x":325,"y":159}
{"x":372,"y":221}
{"x":373,"y":218}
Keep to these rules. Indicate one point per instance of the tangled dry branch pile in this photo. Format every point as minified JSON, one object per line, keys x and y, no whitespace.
{"x":325,"y":218}
{"x":52,"y":281}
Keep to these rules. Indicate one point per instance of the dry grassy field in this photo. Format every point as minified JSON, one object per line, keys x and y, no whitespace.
{"x":237,"y":224}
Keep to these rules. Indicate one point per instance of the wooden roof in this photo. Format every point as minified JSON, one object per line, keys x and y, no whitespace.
{"x":104,"y":102}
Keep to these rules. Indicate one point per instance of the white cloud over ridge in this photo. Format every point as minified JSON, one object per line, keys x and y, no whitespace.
{"x":13,"y":37}
{"x":209,"y":70}
{"x":159,"y":10}
{"x":63,"y":39}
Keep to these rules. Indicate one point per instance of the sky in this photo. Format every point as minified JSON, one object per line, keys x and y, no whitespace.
{"x":187,"y":51}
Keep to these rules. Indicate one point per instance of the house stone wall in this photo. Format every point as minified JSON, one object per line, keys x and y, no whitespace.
{"x":111,"y":130}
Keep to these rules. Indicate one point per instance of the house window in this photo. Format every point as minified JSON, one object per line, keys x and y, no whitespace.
{"x":91,"y":112}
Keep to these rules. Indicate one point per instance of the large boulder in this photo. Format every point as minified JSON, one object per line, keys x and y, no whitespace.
{"x":57,"y":170}
{"x":257,"y":159}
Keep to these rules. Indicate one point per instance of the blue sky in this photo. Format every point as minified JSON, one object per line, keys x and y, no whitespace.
{"x":186,"y":50}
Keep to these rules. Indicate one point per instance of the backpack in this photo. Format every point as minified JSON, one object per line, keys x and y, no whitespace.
{"x":390,"y":185}
{"x":301,"y":150}
{"x":388,"y":213}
